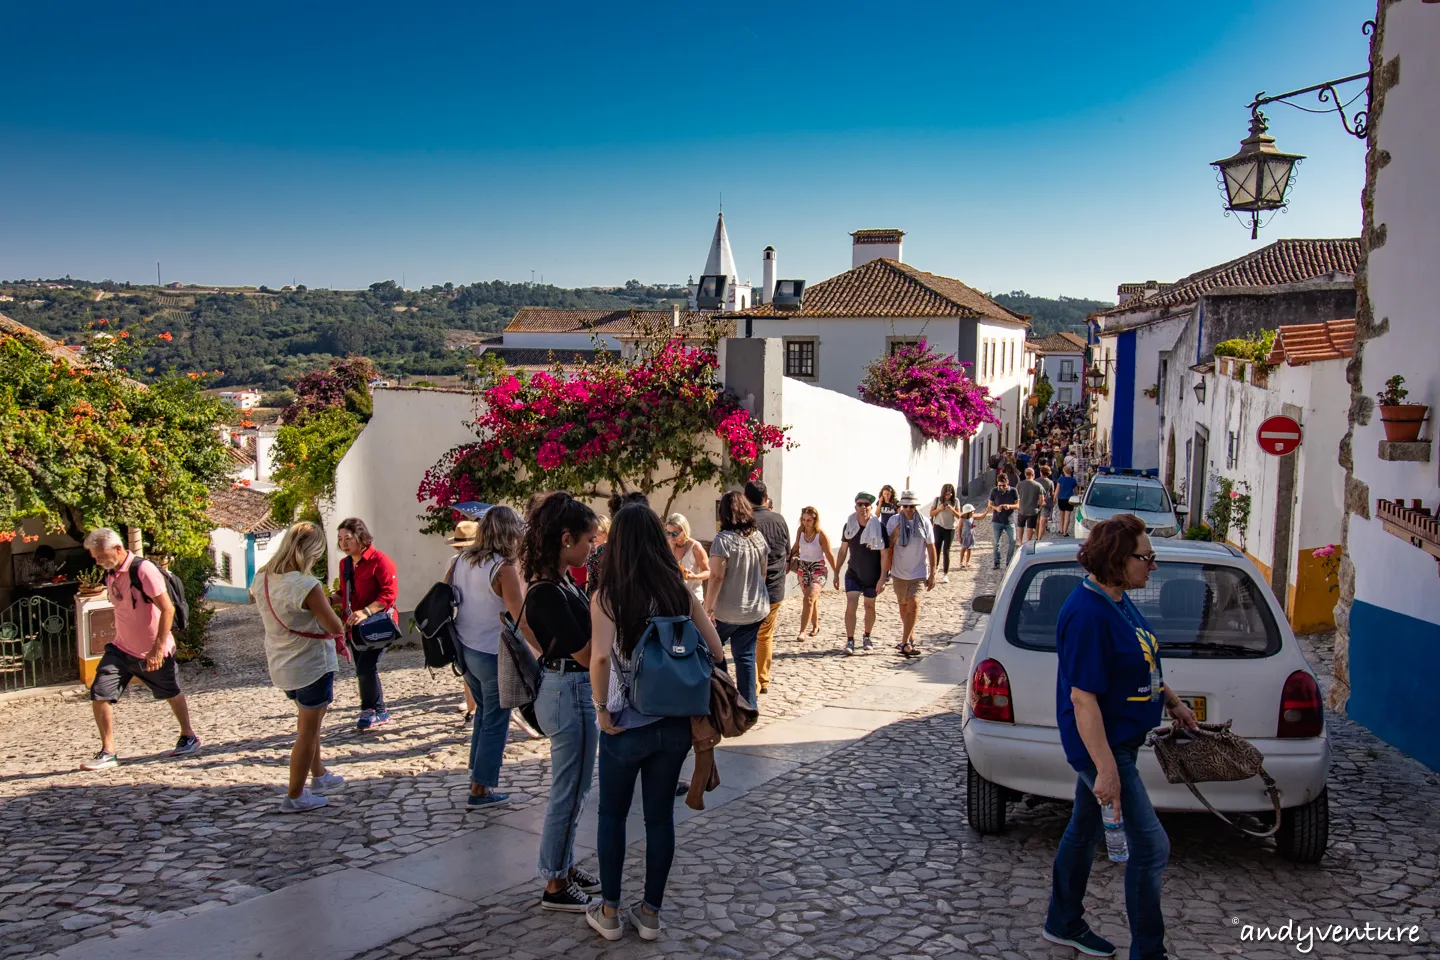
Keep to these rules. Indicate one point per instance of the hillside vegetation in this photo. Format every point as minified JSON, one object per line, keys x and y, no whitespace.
{"x":268,"y":338}
{"x":1060,"y":315}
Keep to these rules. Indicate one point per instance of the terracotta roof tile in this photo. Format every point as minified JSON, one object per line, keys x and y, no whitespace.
{"x":550,"y":320}
{"x":888,"y":288}
{"x":1058,"y":343}
{"x":1303,"y":343}
{"x":239,"y":457}
{"x":242,"y":510}
{"x":51,"y":347}
{"x":1282,"y":262}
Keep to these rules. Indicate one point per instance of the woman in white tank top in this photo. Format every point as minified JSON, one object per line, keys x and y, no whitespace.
{"x":808,"y":558}
{"x":487,"y":585}
{"x":693,"y":560}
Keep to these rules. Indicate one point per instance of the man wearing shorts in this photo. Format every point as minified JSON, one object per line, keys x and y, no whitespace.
{"x":1032,"y":499}
{"x":863,"y":542}
{"x":143,"y":647}
{"x":910,"y":559}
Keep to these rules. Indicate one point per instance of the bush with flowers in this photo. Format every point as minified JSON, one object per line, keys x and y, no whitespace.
{"x":931,"y":389}
{"x":330,"y":408}
{"x":648,"y":422}
{"x":86,"y":446}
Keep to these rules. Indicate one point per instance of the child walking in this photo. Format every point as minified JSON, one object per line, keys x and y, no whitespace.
{"x":967,"y":533}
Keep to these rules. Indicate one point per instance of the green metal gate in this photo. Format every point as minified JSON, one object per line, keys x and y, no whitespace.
{"x":37,"y":644}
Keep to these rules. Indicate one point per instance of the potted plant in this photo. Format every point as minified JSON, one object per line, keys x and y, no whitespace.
{"x":92,"y":581}
{"x":1402,"y":420}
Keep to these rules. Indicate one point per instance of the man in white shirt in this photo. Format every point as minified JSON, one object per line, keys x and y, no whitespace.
{"x":910,"y":558}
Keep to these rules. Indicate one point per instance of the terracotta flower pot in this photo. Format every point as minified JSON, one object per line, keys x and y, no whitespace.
{"x":1403,"y":422}
{"x":88,"y":590}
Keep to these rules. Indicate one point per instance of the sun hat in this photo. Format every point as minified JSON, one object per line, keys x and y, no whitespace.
{"x":465,"y":534}
{"x":966,"y":510}
{"x":908,"y":499}
{"x":864,"y":497}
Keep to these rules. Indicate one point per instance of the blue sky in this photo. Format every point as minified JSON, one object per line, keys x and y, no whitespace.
{"x":1054,"y":147}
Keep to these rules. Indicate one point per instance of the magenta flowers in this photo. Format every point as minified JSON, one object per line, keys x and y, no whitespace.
{"x":932,"y":390}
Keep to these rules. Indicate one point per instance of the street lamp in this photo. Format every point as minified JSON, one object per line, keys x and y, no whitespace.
{"x":1200,"y":389}
{"x":1258,"y":175}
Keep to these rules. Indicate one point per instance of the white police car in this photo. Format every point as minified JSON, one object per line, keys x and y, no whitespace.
{"x":1112,"y":494}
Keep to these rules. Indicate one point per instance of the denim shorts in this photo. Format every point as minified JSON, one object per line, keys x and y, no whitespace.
{"x":314,"y":696}
{"x":853,"y":585}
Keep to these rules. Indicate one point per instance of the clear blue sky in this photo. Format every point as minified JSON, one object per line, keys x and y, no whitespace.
{"x":1054,"y":147}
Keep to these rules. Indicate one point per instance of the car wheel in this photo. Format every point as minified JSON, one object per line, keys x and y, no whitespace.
{"x":1305,"y":831}
{"x":984,"y":803}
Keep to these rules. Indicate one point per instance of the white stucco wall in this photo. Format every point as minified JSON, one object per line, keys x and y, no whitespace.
{"x":1390,"y":573}
{"x":847,"y":346}
{"x":1149,"y":343}
{"x":1051,"y":365}
{"x":378,"y":478}
{"x":227,"y":542}
{"x":845,"y":446}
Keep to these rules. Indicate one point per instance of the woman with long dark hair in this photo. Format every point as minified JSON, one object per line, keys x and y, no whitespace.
{"x":888,"y":505}
{"x":944,"y":515}
{"x":639,"y":579}
{"x":368,"y":585}
{"x":738,"y":600}
{"x":555,"y":619}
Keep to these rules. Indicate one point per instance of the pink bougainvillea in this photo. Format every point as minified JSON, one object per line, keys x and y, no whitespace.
{"x":932,"y":390}
{"x":647,"y":423}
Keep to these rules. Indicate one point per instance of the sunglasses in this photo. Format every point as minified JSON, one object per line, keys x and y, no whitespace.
{"x":673,"y":534}
{"x":862,"y":503}
{"x":1149,"y":558}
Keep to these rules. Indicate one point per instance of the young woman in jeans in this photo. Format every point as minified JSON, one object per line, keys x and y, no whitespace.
{"x":300,"y":634}
{"x":556,"y":621}
{"x":487,"y":586}
{"x":737,"y":599}
{"x":639,"y":579}
{"x":1109,"y":695}
{"x":372,"y":587}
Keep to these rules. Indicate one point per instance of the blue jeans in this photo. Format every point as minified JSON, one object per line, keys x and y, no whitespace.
{"x":1008,"y":530}
{"x":1149,"y":852}
{"x":492,"y":724}
{"x":367,"y":674}
{"x":742,"y":638}
{"x":655,"y":753}
{"x":567,"y":714}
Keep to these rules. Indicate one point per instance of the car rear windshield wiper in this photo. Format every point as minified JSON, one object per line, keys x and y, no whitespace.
{"x":1217,"y":648}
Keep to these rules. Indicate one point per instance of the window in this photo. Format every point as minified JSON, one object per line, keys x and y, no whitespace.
{"x":1118,"y":495}
{"x":1064,"y":395}
{"x":1067,"y":372}
{"x":1196,"y":610}
{"x":984,"y":359}
{"x":895,"y":343}
{"x":1232,"y":451}
{"x":800,"y":358}
{"x":225,"y":567}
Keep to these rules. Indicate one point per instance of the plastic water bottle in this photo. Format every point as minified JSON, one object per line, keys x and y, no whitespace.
{"x":1115,"y":844}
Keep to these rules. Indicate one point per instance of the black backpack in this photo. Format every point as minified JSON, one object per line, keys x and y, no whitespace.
{"x":435,"y":617}
{"x":173,"y":586}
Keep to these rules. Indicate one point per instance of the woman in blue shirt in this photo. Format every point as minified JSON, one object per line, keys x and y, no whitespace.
{"x":1064,"y":493}
{"x":1110,"y":692}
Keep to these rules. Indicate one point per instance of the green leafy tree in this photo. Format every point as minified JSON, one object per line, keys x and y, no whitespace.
{"x":86,"y":447}
{"x":1044,"y":392}
{"x":330,"y":408}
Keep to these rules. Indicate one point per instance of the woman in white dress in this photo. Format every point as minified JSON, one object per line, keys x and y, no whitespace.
{"x":301,"y":630}
{"x":691,"y":556}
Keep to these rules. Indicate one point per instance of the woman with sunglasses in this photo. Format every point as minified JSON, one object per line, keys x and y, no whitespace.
{"x":693,"y":560}
{"x":1109,"y":693}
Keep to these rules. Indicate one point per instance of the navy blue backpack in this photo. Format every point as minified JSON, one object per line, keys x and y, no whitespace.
{"x":670,"y":670}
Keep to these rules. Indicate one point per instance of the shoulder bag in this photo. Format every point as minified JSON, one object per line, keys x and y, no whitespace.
{"x":337,"y":637}
{"x":375,"y":632}
{"x":1212,"y":754}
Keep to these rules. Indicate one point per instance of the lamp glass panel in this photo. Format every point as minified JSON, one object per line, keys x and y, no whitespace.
{"x":1241,"y":187}
{"x":1276,"y":179}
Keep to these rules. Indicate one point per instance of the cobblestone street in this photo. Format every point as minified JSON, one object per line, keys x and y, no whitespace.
{"x":862,"y":853}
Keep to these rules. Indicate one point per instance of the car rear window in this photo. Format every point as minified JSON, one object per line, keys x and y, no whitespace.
{"x":1128,"y":496}
{"x":1195,"y":609}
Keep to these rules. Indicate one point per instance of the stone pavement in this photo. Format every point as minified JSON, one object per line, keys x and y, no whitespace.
{"x":862,"y":851}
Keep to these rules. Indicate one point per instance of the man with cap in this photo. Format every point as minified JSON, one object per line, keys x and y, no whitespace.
{"x":776,"y":532}
{"x":910,"y":559}
{"x":863,"y":543}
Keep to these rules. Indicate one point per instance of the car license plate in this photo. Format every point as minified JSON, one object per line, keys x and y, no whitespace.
{"x":1196,"y":705}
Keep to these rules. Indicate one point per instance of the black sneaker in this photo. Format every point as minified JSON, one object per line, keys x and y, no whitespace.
{"x":1089,"y":943}
{"x":570,"y":899}
{"x":868,"y":645}
{"x":185,"y":746}
{"x":850,"y":647}
{"x":587,"y":881}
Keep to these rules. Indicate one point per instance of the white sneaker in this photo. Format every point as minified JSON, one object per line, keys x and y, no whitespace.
{"x":326,"y":782}
{"x":945,"y":579}
{"x":306,"y":801}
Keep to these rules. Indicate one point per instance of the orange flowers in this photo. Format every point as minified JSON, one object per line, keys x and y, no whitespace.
{"x":166,"y":336}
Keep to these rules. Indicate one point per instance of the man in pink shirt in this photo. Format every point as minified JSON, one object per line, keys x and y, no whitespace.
{"x":143,"y":646}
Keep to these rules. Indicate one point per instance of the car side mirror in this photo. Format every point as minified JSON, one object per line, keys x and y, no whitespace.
{"x":985,"y":603}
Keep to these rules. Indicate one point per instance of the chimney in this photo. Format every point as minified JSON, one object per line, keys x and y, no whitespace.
{"x":767,"y":292}
{"x":264,"y":453}
{"x":674,"y":315}
{"x":870,"y":245}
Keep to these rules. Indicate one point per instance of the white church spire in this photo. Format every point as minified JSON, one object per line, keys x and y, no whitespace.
{"x":721,"y":262}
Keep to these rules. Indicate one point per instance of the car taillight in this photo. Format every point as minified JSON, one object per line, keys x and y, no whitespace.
{"x":1301,"y":712}
{"x":990,"y":693}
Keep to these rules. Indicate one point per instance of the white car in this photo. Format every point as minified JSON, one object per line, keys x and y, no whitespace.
{"x":1111,"y":494}
{"x":1225,"y":648}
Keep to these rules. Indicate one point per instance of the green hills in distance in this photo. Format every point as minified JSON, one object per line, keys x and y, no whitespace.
{"x":266,"y":338}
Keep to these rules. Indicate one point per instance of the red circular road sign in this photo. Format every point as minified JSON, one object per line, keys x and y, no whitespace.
{"x":1278,"y":436}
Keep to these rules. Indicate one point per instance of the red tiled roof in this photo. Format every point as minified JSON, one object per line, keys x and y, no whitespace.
{"x":550,"y":320}
{"x":241,"y":509}
{"x":51,"y":347}
{"x":1303,"y":343}
{"x":1058,"y":343}
{"x":239,"y":457}
{"x":889,"y":288}
{"x":1282,"y":262}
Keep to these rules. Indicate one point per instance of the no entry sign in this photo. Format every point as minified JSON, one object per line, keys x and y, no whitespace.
{"x":1279,"y":435}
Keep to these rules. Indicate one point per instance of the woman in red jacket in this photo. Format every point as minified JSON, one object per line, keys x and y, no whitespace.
{"x":374,"y":588}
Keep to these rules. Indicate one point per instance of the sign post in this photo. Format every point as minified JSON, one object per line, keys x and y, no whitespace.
{"x":1279,"y":436}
